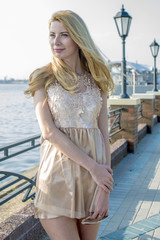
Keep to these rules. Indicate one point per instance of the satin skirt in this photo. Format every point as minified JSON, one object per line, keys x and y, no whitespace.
{"x":64,"y":188}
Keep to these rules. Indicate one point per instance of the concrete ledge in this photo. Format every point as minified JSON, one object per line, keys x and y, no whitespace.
{"x":21,"y":226}
{"x":155,"y":93}
{"x":144,"y":95}
{"x":123,"y":101}
{"x":118,"y":151}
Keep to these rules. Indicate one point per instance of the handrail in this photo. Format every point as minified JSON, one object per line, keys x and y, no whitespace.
{"x":5,"y":148}
{"x":24,"y":182}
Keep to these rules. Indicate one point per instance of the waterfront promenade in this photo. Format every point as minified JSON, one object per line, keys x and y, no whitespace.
{"x":135,"y":200}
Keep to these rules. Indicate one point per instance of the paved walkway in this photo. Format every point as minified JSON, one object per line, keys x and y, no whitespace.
{"x":135,"y":201}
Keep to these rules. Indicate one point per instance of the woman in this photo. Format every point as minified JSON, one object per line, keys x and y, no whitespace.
{"x":74,"y":177}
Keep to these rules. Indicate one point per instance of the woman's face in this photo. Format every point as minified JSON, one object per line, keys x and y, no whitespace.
{"x":62,"y":45}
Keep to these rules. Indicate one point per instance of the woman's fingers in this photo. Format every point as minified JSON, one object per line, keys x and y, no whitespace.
{"x":109,"y":170}
{"x":106,"y":214}
{"x":101,"y":204}
{"x":99,"y":215}
{"x":110,"y":178}
{"x":103,"y":177}
{"x":94,"y":216}
{"x":105,"y":189}
{"x":109,"y":185}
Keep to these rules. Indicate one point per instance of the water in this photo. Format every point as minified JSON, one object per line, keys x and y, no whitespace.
{"x":18,"y":121}
{"x":17,"y":116}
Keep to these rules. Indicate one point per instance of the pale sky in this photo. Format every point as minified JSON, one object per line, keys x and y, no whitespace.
{"x":24,"y":44}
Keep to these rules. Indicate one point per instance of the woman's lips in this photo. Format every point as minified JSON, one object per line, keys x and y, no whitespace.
{"x":58,"y":50}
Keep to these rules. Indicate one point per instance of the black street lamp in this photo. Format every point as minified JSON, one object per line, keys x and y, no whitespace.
{"x":123,"y":22}
{"x":154,"y":50}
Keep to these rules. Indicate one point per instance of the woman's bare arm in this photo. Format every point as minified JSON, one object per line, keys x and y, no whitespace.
{"x":103,"y":125}
{"x":56,"y":137}
{"x":102,"y":198}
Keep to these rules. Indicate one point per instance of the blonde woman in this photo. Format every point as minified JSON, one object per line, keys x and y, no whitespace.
{"x":74,"y":178}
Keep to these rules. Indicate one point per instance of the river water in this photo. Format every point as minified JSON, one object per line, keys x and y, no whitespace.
{"x":18,"y":121}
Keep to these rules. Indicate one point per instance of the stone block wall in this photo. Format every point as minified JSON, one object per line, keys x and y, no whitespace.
{"x":157,"y":107}
{"x":129,"y":121}
{"x":148,"y":113}
{"x":148,"y":109}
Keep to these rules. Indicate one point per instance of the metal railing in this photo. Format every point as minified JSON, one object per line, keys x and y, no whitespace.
{"x":115,"y":115}
{"x":5,"y":149}
{"x":25,"y":183}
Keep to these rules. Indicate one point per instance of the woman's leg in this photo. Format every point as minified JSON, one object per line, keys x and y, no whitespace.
{"x":61,"y":228}
{"x":86,"y":231}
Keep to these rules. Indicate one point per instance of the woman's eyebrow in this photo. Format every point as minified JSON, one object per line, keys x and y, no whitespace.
{"x":60,"y":32}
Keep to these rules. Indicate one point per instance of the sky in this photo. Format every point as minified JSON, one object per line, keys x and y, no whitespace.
{"x":24,"y":41}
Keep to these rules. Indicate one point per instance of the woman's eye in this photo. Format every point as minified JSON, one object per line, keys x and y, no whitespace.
{"x":51,"y":35}
{"x":64,"y":34}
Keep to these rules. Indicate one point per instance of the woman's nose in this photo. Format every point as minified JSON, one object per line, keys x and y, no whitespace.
{"x":57,"y":40}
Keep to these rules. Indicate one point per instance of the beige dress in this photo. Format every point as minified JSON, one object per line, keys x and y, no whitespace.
{"x":64,"y":188}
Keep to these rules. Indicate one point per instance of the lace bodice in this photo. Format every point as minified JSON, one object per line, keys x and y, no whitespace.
{"x":79,"y":110}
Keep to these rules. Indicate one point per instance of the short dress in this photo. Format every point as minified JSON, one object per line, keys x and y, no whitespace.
{"x":63,"y":187}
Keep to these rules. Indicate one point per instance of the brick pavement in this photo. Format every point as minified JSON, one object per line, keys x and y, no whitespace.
{"x":136,"y":195}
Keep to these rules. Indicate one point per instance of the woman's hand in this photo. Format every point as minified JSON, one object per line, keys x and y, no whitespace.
{"x":102,"y":175}
{"x":101,"y":205}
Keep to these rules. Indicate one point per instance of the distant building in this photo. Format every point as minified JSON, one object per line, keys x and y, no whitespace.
{"x":136,"y":73}
{"x":7,"y":80}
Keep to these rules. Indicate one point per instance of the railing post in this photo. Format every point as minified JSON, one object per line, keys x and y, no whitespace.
{"x":6,"y":152}
{"x":33,"y":142}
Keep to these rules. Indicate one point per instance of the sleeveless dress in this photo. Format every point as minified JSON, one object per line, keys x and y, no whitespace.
{"x":63,"y":187}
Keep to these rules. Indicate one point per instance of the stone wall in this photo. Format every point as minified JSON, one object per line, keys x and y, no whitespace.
{"x":129,"y":121}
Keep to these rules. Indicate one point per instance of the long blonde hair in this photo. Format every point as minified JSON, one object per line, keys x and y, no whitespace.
{"x":91,"y":58}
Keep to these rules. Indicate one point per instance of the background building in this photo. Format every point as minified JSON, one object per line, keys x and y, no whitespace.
{"x":137,"y":74}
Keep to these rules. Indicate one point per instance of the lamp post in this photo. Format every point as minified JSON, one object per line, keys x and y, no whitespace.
{"x":154,"y":50}
{"x":123,"y":22}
